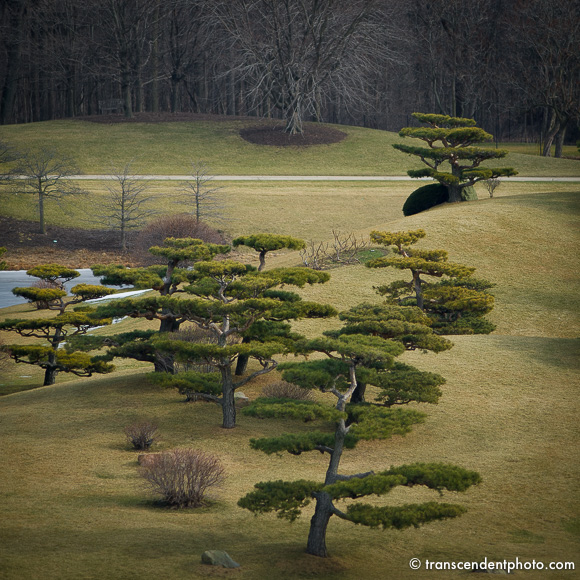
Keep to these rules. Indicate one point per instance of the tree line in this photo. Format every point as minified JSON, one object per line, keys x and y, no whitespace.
{"x":512,"y":64}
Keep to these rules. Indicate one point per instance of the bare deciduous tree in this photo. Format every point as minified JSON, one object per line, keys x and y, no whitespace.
{"x":45,"y":174}
{"x":126,"y":207}
{"x":545,"y":64}
{"x":203,"y":199}
{"x":292,"y":52}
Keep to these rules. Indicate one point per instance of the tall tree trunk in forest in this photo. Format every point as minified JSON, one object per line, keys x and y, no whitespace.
{"x":560,"y":140}
{"x":12,"y":46}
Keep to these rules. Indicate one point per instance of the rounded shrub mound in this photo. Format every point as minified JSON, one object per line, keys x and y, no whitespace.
{"x":424,"y":198}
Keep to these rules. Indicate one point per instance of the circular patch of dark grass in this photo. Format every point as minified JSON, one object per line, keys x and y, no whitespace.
{"x":275,"y":136}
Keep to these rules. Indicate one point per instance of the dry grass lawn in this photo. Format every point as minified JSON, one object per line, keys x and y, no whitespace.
{"x":73,"y":506}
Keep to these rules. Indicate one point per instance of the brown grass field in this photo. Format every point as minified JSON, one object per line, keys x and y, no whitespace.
{"x":73,"y":506}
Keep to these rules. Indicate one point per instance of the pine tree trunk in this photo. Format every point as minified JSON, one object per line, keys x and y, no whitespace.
{"x":242,"y":364}
{"x":51,"y":370}
{"x":418,"y":289}
{"x":454,"y":193}
{"x":317,"y":536}
{"x":228,"y":399}
{"x":358,"y":395}
{"x":167,"y":364}
{"x":50,"y":374}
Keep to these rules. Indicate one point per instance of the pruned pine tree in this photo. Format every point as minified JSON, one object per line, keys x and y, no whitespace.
{"x":58,"y":329}
{"x":452,"y":154}
{"x":232,"y":300}
{"x":166,"y":280}
{"x":264,"y":243}
{"x":457,"y":304}
{"x":409,"y":326}
{"x":350,"y":356}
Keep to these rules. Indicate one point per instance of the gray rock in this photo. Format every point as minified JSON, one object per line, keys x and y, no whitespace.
{"x":241,"y":400}
{"x":218,"y":558}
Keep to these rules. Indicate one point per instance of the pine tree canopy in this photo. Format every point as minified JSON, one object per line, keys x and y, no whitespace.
{"x":370,"y":422}
{"x":41,"y":327}
{"x":407,"y":324}
{"x":33,"y":294}
{"x":400,"y":517}
{"x":207,"y":383}
{"x":455,"y":141}
{"x":297,"y":443}
{"x":78,"y":363}
{"x":404,"y":384}
{"x":422,"y":266}
{"x":269,"y":242}
{"x":285,"y":497}
{"x":53,"y":272}
{"x":399,"y":239}
{"x":443,"y":120}
{"x":276,"y":408}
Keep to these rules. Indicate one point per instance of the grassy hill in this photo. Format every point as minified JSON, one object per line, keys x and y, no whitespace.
{"x":169,"y":148}
{"x":72,"y":503}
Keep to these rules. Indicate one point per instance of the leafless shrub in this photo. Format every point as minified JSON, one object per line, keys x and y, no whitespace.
{"x":142,"y":434}
{"x":285,"y":390}
{"x":315,"y":255}
{"x":491,"y":185}
{"x":342,"y":250}
{"x":183,"y":476}
{"x":346,"y":248}
{"x":180,"y":225}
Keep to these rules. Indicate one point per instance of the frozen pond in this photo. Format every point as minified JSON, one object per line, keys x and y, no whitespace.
{"x":17,"y":278}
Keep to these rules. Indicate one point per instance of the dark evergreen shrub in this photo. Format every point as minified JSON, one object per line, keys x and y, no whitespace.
{"x":424,"y":198}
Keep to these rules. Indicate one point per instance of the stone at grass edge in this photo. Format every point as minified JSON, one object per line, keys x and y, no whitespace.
{"x":241,"y":400}
{"x":218,"y":558}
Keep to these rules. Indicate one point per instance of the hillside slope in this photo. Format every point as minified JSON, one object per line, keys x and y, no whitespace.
{"x":169,"y":148}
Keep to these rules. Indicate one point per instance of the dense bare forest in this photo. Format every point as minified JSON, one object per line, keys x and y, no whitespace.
{"x":514,"y":65}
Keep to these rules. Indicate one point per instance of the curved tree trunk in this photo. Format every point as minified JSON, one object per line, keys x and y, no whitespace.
{"x":318,"y":524}
{"x":454,"y":193}
{"x":166,"y":364}
{"x":242,"y":364}
{"x":324,"y":509}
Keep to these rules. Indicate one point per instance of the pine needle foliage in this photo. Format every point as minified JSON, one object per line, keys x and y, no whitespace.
{"x":59,"y":329}
{"x":456,"y":304}
{"x":352,"y":357}
{"x":401,"y":517}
